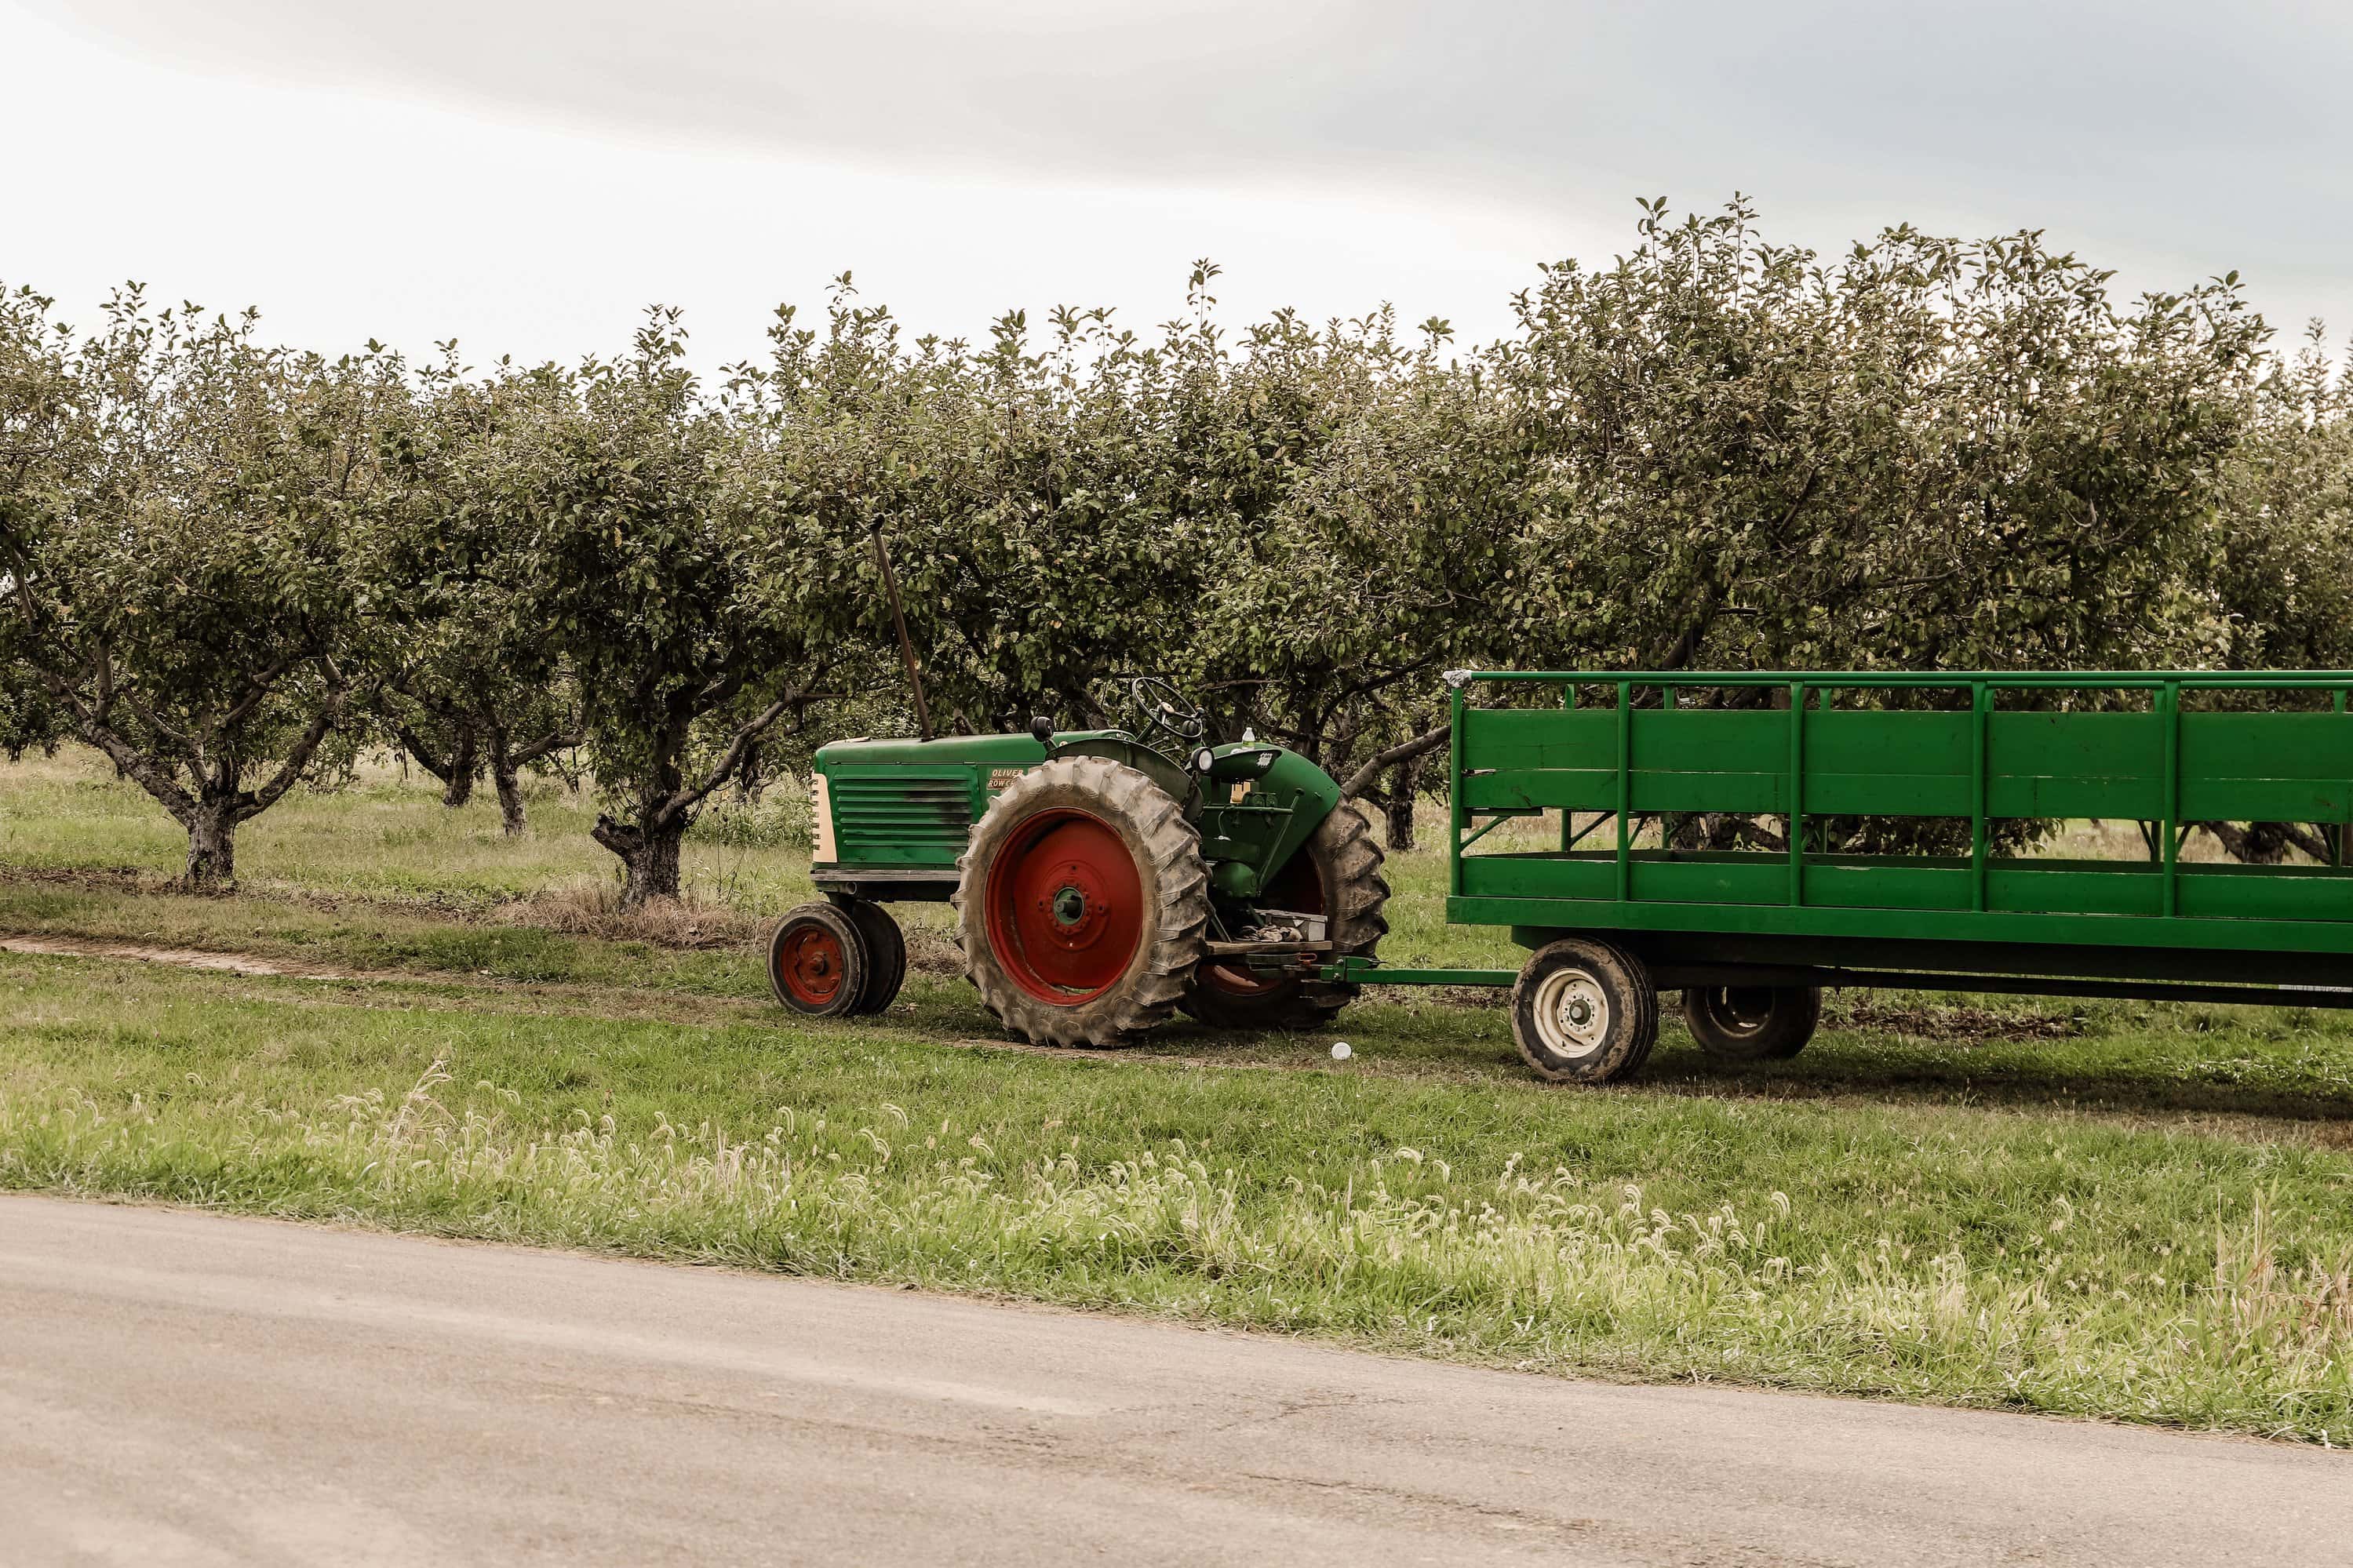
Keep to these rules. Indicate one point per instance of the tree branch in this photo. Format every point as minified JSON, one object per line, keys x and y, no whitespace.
{"x":298,"y":759}
{"x":1403,"y":752}
{"x":129,"y":759}
{"x":262,"y":686}
{"x":555,"y":740}
{"x":684,"y":800}
{"x":416,"y":747}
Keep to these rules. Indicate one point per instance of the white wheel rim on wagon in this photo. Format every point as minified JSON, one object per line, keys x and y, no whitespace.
{"x":1572,"y":1012}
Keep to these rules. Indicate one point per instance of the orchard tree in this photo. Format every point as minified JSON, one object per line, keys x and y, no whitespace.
{"x":1371,"y":567}
{"x":2282,"y":589}
{"x":1283,"y":523}
{"x":1930,"y":453}
{"x":1024,"y":496}
{"x":195,"y":601}
{"x":461,"y":719}
{"x":39,"y":408}
{"x":478,"y":691}
{"x":2280,"y":576}
{"x":645,"y":555}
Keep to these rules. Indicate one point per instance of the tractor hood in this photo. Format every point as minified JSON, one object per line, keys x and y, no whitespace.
{"x":906,"y":806}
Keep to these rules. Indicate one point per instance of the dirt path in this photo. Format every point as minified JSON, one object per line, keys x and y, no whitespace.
{"x":629,"y":1000}
{"x":185,"y":957}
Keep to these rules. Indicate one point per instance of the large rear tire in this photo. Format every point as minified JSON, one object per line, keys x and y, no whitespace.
{"x":1336,"y":874}
{"x":1082,"y":903}
{"x":1737,"y":1025}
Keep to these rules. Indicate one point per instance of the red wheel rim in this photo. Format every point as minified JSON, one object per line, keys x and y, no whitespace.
{"x":1298,"y":888}
{"x":809,"y":965}
{"x":1065,"y":907}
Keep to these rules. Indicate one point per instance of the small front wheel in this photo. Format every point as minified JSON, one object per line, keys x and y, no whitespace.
{"x":886,"y":953}
{"x":1584,"y":1012}
{"x":817,"y":962}
{"x":1735,"y":1025}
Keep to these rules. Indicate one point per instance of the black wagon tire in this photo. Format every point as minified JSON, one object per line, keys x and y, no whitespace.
{"x":1741,"y":1023}
{"x":1584,"y":1011}
{"x":886,"y":953}
{"x":1336,"y":874}
{"x":817,"y":962}
{"x":1082,"y":903}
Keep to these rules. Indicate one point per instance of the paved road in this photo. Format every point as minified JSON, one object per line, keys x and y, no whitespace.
{"x":183,"y":1388}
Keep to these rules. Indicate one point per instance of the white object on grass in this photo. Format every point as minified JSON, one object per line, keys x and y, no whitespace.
{"x":1340,"y":1052}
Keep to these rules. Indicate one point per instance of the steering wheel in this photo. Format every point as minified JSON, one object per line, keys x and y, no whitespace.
{"x":1161,"y":705}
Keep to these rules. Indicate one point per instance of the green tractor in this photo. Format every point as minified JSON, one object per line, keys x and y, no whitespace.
{"x":1101,"y":879}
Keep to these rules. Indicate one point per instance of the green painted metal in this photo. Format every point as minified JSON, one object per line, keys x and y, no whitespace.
{"x":1252,"y":826}
{"x":1355,"y":971}
{"x":904,"y":817}
{"x":908,"y":806}
{"x":2157,"y":747}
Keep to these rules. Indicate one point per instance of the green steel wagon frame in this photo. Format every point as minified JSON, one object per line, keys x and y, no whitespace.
{"x":1751,"y":936}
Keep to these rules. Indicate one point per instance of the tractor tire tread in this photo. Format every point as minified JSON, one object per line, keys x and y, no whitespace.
{"x":1176,"y":930}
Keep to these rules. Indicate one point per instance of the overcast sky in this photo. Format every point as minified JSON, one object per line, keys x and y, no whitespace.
{"x":525,"y":173}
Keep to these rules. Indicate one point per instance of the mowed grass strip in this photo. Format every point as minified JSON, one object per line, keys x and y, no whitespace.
{"x":1927,"y":1252}
{"x":2260,"y":1072}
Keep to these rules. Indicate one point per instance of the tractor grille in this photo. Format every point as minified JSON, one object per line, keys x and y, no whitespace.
{"x":901,"y":821}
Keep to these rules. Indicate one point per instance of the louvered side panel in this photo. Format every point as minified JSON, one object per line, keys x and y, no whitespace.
{"x":899,"y":820}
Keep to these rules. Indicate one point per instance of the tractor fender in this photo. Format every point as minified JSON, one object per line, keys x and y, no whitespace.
{"x":1179,"y":784}
{"x":1264,"y":804}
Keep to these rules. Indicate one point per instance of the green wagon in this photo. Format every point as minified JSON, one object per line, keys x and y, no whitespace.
{"x":1751,"y":935}
{"x":1105,"y":877}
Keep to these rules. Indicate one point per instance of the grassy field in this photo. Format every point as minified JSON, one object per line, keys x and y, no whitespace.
{"x":2115,"y":1210}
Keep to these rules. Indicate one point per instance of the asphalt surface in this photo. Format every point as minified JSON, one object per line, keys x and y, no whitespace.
{"x":185,"y":1388}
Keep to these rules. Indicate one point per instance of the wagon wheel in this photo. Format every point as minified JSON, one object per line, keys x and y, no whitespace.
{"x":1082,"y":903}
{"x":1740,"y":1024}
{"x":817,"y":962}
{"x":1584,"y":1012}
{"x":1336,"y":874}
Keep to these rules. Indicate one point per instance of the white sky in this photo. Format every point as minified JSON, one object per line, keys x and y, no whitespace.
{"x":525,"y":174}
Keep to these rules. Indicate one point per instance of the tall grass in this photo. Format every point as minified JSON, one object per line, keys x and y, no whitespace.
{"x":1540,"y":1266}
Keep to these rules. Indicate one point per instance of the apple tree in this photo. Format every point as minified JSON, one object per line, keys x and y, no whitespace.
{"x":192,"y":596}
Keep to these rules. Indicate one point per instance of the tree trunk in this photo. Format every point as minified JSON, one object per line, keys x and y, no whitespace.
{"x":1405,"y":784}
{"x":456,"y":774}
{"x":463,"y":766}
{"x":653,"y":871}
{"x":2267,"y":843}
{"x":502,"y":774}
{"x":650,"y":857}
{"x":212,"y":847}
